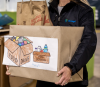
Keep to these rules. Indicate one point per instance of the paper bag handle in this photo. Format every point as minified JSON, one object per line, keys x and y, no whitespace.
{"x":31,"y":1}
{"x":30,"y":6}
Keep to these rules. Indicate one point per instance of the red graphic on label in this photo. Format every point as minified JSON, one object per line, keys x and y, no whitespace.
{"x":36,"y":19}
{"x":46,"y":20}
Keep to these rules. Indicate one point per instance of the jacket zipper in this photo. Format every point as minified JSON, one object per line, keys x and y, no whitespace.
{"x":58,"y":21}
{"x":58,"y":15}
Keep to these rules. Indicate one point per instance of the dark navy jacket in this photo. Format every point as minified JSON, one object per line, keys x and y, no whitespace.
{"x":78,"y":14}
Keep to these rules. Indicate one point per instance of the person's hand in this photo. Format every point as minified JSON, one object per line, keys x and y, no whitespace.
{"x":66,"y":75}
{"x":7,"y":73}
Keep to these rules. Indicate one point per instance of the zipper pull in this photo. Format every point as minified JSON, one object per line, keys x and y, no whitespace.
{"x":59,"y":19}
{"x":55,"y":18}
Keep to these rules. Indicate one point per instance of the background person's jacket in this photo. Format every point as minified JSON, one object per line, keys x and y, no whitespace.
{"x":78,"y":14}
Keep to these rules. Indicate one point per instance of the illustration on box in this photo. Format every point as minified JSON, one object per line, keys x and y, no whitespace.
{"x":41,"y":55}
{"x":19,"y":49}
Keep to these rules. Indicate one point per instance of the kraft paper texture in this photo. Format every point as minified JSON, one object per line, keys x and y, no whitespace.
{"x":33,"y":13}
{"x":68,"y":41}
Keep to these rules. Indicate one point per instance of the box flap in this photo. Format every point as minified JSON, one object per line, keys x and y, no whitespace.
{"x":41,"y":53}
{"x":28,"y":40}
{"x":11,"y":46}
{"x":27,"y":49}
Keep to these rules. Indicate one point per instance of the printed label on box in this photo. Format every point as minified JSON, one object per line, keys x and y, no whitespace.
{"x":32,"y":52}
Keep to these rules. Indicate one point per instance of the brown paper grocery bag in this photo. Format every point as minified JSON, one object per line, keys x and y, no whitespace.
{"x":23,"y":19}
{"x":47,"y":20}
{"x":32,"y":13}
{"x":68,"y":41}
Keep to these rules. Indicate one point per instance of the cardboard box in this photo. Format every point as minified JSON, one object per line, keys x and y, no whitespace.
{"x":19,"y":54}
{"x":41,"y":57}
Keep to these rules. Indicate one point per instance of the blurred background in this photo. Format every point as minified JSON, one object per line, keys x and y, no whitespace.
{"x":9,"y":8}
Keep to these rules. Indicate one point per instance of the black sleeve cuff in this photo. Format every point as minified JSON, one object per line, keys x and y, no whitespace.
{"x":71,"y":67}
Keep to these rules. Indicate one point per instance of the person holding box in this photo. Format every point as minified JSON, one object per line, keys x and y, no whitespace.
{"x":73,"y":13}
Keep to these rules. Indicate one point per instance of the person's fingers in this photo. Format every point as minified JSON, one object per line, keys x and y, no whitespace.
{"x":65,"y":76}
{"x":60,"y":72}
{"x":60,"y":81}
{"x":7,"y":67}
{"x":7,"y":73}
{"x":64,"y":82}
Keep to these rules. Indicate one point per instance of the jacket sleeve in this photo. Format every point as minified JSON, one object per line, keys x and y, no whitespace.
{"x":88,"y":43}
